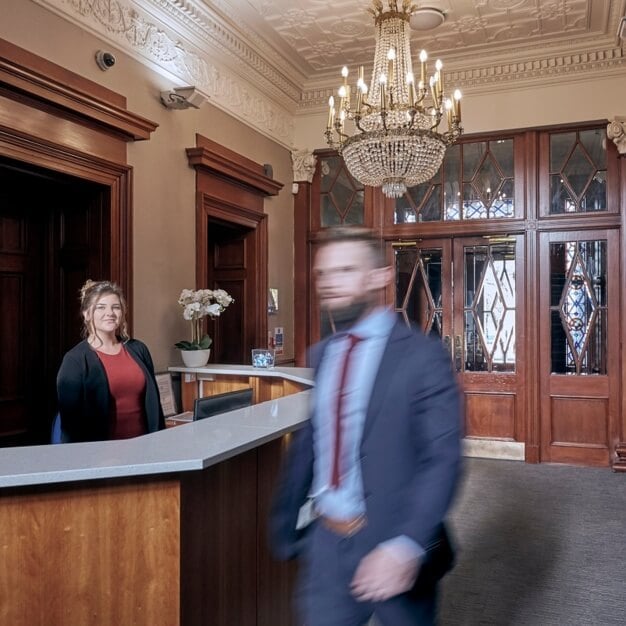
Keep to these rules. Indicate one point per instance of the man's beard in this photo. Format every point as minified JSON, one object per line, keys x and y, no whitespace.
{"x":345,"y":317}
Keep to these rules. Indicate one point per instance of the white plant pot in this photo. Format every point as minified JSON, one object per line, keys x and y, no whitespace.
{"x":195,"y":358}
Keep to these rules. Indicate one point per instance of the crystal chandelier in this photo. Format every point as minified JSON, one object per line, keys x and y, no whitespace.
{"x":396,"y":141}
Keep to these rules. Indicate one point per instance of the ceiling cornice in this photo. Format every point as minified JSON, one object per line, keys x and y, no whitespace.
{"x":506,"y":74}
{"x":154,"y":39}
{"x":207,"y":43}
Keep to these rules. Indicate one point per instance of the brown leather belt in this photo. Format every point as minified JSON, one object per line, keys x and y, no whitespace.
{"x":345,"y":528}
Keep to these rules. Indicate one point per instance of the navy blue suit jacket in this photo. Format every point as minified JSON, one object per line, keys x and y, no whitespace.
{"x":410,"y":452}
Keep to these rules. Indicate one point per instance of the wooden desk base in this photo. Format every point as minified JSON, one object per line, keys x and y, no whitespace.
{"x":184,"y":551}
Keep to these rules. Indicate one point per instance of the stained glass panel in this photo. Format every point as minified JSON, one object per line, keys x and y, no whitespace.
{"x":578,"y":172}
{"x":490,"y":307}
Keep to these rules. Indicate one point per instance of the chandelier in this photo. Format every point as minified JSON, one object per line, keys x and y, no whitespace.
{"x":396,"y":141}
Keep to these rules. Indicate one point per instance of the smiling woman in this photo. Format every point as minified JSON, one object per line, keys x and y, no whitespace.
{"x":106,"y":386}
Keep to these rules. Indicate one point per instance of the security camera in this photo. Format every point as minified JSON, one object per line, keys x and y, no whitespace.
{"x":105,"y":60}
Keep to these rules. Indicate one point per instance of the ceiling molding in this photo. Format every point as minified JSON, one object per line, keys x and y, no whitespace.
{"x":147,"y":39}
{"x":245,"y":52}
{"x":491,"y":78}
{"x":242,"y":61}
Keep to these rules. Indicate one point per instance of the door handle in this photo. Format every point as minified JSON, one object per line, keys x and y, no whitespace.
{"x":458,"y":353}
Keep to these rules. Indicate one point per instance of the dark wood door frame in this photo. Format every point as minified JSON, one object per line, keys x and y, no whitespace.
{"x":231,"y":188}
{"x":209,"y":209}
{"x":53,"y":118}
{"x":117,"y":177}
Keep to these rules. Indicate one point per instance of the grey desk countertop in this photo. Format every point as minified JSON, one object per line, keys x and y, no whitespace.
{"x":193,"y":446}
{"x":302,"y":375}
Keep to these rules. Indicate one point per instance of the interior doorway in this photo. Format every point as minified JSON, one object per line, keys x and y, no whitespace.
{"x":54,"y":234}
{"x":467,"y":292}
{"x":232,"y":266}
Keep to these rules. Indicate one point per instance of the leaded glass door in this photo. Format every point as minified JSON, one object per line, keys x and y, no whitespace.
{"x":466,"y":292}
{"x":579,"y":346}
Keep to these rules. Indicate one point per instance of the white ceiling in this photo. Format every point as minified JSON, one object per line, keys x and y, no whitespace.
{"x":318,"y":37}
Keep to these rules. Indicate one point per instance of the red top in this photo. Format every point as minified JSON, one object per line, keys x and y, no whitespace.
{"x":127,"y":385}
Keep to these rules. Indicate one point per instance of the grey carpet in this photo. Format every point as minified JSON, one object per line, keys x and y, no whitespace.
{"x":538,"y":545}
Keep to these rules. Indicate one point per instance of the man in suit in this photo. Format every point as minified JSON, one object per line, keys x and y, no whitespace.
{"x":368,"y":480}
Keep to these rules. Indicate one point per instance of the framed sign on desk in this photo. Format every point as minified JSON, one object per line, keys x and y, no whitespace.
{"x":168,"y":401}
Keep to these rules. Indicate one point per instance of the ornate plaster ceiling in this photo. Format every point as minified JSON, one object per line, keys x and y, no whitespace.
{"x":265,"y":61}
{"x":326,"y":34}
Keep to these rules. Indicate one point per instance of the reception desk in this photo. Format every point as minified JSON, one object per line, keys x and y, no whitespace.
{"x":167,"y":529}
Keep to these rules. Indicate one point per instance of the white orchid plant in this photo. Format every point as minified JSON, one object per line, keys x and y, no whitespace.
{"x":198,"y":304}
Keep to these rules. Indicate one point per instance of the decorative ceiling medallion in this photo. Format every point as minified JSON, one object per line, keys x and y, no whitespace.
{"x":349,"y":28}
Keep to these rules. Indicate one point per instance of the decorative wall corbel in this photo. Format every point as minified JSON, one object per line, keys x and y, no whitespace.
{"x":303,"y":162}
{"x":616,"y":131}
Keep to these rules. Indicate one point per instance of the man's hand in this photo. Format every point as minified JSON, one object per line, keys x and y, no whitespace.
{"x":382,"y":574}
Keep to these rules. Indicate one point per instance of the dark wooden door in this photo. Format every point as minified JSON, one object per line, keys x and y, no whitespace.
{"x":22,"y":333}
{"x":53,"y":231}
{"x":579,"y":346}
{"x":231,"y":265}
{"x":466,"y":292}
{"x":488,"y":326}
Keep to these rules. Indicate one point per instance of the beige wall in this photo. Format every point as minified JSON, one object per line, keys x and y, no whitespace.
{"x":576,"y":101}
{"x":164,"y":184}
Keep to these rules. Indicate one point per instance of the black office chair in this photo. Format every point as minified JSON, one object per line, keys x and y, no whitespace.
{"x":222,"y":403}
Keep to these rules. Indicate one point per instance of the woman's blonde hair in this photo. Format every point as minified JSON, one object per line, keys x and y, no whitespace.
{"x":90,"y":294}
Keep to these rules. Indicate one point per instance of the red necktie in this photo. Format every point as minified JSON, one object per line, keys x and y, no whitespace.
{"x":335,"y":476}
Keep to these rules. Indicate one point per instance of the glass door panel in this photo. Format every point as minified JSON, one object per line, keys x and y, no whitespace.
{"x":579,"y":346}
{"x":465,"y":291}
{"x":489,"y":308}
{"x":419,"y":288}
{"x":578,"y":307}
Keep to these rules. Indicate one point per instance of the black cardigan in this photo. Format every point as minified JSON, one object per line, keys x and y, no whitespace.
{"x":84,"y":396}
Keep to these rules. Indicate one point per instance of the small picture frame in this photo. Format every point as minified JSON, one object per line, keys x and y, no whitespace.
{"x":166,"y":391}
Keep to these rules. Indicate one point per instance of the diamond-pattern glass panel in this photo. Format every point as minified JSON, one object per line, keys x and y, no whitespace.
{"x":329,"y":168}
{"x":342,"y":191}
{"x":476,"y":181}
{"x":473,"y":154}
{"x":490,"y":307}
{"x":419,"y":287}
{"x":595,"y":197}
{"x":561,"y":199}
{"x":330,"y":215}
{"x":354,"y":215}
{"x":473,"y":206}
{"x":561,"y":145}
{"x":594,"y":142}
{"x":578,"y":172}
{"x":431,"y":209}
{"x":579,"y":308}
{"x":487,"y":181}
{"x":502,"y":151}
{"x":341,"y":196}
